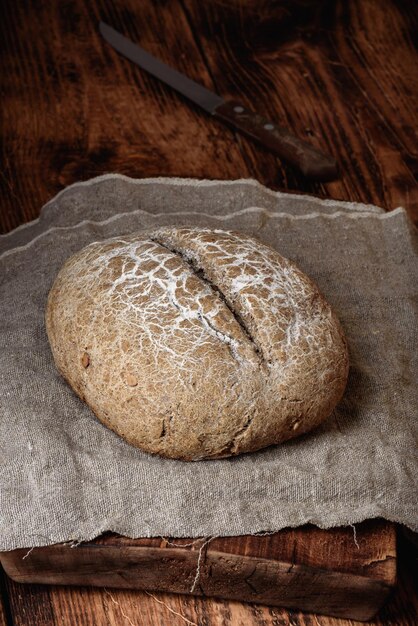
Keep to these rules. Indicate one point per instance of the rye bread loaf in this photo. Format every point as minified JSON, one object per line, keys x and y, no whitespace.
{"x":194,"y":343}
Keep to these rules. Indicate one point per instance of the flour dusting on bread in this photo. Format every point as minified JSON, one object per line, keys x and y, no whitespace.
{"x":194,"y":343}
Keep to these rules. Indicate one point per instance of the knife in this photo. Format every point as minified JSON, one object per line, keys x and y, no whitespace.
{"x":310,"y":161}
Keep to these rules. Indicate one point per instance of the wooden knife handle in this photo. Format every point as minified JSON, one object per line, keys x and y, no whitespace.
{"x":310,"y":161}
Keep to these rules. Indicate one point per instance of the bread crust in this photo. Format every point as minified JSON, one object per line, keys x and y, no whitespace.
{"x":194,"y":343}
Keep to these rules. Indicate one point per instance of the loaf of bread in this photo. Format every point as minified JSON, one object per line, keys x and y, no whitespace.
{"x":196,"y":344}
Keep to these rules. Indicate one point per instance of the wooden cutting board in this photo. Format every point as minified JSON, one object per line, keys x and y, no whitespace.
{"x":333,"y":572}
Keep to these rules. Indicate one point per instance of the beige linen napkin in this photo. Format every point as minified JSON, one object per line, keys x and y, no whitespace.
{"x":64,"y":476}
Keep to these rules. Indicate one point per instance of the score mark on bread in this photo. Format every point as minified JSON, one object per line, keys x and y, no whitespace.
{"x":201,"y":343}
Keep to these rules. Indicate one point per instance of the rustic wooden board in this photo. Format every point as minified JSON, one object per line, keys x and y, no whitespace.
{"x":52,"y":605}
{"x":336,"y":573}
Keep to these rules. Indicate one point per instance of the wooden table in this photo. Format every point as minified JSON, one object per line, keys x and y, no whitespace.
{"x":340,"y":74}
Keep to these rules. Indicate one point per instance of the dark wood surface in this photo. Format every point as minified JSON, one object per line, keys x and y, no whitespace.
{"x":340,"y":74}
{"x":4,"y":618}
{"x":52,"y":605}
{"x":326,"y":572}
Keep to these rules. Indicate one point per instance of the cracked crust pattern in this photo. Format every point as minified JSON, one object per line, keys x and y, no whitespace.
{"x":194,"y":343}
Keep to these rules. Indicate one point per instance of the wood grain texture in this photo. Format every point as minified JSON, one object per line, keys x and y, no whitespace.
{"x":75,"y":109}
{"x":341,"y":74}
{"x":305,"y":568}
{"x":53,"y":606}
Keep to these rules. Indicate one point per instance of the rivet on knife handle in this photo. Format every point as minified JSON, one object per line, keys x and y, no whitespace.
{"x":310,"y":161}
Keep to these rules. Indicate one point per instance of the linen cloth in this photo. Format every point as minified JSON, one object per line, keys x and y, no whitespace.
{"x":66,"y":477}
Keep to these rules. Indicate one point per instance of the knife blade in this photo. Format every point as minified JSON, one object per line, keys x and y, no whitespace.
{"x":313,"y":163}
